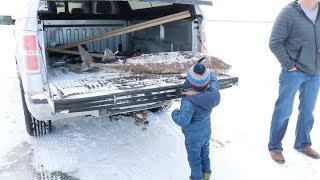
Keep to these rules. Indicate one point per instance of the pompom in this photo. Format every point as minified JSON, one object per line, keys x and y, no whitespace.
{"x":199,"y":69}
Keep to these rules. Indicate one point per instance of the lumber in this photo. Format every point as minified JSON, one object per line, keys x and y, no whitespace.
{"x":129,"y":29}
{"x":61,"y":51}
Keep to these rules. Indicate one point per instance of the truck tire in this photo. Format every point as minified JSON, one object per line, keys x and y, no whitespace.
{"x":34,"y":127}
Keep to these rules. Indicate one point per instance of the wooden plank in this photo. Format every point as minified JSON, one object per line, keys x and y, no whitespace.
{"x":96,"y":55}
{"x":128,"y":29}
{"x":61,"y":51}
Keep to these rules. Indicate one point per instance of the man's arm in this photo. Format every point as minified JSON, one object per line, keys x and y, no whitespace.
{"x":279,"y":34}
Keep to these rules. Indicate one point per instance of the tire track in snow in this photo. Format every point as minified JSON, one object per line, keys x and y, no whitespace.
{"x":91,"y":133}
{"x":127,"y":134}
{"x":44,"y":149}
{"x":170,"y":123}
{"x":111,"y":145}
{"x":103,"y":135}
{"x":90,"y":127}
{"x":175,"y":130}
{"x":47,"y":148}
{"x":39,"y":172}
{"x":174,"y":143}
{"x":62,"y":137}
{"x":95,"y":144}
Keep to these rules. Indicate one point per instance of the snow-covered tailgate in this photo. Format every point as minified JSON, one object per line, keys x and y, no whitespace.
{"x":114,"y":92}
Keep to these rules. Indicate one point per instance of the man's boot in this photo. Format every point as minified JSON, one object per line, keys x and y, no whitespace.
{"x":311,"y":152}
{"x":277,"y":156}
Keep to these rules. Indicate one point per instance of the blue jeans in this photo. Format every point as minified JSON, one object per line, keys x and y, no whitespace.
{"x":308,"y":86}
{"x":198,"y":155}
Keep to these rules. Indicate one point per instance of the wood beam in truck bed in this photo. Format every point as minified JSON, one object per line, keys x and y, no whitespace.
{"x":61,"y":51}
{"x":129,"y":29}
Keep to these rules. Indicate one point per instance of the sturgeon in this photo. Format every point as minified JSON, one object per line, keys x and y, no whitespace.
{"x":156,"y":63}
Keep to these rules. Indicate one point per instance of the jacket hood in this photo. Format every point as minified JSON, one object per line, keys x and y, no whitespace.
{"x":205,"y":100}
{"x":296,"y":5}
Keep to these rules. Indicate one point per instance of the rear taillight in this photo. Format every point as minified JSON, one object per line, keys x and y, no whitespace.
{"x":30,"y":42}
{"x":32,"y":63}
{"x":31,"y":58}
{"x":203,"y":41}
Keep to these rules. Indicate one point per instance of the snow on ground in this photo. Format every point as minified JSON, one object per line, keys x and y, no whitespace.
{"x":9,"y":94}
{"x":95,"y":148}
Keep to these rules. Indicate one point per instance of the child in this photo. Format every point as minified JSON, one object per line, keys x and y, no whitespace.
{"x":201,"y":91}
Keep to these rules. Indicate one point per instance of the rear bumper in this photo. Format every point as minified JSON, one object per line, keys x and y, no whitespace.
{"x":113,"y":103}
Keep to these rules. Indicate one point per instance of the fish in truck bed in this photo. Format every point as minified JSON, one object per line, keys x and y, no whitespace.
{"x":155,"y":63}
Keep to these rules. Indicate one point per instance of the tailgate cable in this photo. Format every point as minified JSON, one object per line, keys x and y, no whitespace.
{"x":45,"y":70}
{"x":204,"y":47}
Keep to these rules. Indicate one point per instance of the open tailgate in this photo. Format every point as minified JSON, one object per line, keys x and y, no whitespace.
{"x":127,"y":98}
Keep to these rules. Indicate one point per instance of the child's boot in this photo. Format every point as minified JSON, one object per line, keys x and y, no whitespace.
{"x":206,"y":176}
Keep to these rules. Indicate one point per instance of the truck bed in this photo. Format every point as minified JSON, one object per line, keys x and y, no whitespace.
{"x":112,"y":93}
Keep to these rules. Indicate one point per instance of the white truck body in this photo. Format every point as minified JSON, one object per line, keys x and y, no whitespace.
{"x":52,"y":92}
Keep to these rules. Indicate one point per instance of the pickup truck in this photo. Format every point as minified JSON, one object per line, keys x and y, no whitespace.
{"x":53,"y":87}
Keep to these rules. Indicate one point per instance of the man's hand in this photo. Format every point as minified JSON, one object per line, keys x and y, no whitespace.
{"x":294,"y":68}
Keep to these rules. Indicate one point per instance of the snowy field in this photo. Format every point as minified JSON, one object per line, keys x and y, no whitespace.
{"x":97,"y":149}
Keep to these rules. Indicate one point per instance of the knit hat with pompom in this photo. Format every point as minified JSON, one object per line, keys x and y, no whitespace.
{"x":198,"y":76}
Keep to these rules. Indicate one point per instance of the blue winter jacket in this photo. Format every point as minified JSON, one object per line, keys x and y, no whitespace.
{"x":195,"y":110}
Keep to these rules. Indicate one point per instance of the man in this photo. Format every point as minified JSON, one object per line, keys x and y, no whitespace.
{"x":295,"y":41}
